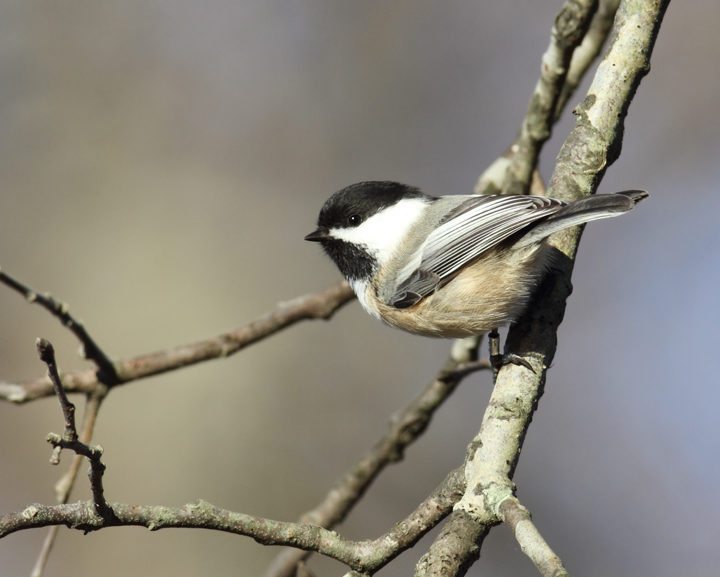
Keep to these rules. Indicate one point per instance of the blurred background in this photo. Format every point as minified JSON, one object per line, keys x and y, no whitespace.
{"x":160,"y":163}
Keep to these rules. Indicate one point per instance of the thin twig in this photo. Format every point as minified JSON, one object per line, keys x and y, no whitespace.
{"x":89,"y":348}
{"x":405,"y":427}
{"x":64,"y":486}
{"x":464,"y":369}
{"x":105,"y":374}
{"x":69,"y":438}
{"x":92,"y":407}
{"x":96,"y":471}
{"x":320,"y":305}
{"x":47,"y":356}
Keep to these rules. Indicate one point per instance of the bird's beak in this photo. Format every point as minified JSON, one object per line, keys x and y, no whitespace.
{"x":318,"y":235}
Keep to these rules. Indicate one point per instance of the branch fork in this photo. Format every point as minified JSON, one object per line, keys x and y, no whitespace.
{"x":69,"y":438}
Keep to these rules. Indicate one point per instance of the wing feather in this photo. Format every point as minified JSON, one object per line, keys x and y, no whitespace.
{"x":466,"y":232}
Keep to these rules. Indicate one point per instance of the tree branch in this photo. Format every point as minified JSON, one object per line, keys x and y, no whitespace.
{"x":456,"y":548}
{"x":321,"y":305}
{"x":88,"y":347}
{"x":365,"y":556}
{"x":47,"y":355}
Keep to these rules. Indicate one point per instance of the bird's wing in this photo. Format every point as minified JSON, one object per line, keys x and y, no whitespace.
{"x":471,"y":228}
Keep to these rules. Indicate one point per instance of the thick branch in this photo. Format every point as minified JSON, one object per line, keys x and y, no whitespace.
{"x":455,"y":549}
{"x":319,"y":305}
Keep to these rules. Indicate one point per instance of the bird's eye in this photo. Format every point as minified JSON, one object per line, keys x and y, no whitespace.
{"x":354,"y":220}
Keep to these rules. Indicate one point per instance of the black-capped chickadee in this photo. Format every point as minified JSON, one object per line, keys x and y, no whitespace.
{"x":448,"y":266}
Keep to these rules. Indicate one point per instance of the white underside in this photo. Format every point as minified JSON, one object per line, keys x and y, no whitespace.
{"x":361,"y":288}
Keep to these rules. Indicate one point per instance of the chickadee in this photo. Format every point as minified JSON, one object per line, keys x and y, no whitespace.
{"x":448,"y":266}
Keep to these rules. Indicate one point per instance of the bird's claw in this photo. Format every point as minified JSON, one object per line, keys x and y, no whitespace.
{"x":499,"y":361}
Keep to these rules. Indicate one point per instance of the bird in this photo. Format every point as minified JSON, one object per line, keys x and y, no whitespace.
{"x":448,"y":266}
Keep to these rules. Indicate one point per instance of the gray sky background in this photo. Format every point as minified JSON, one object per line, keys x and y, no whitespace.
{"x":160,"y":163}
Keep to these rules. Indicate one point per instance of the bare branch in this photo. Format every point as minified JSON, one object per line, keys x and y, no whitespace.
{"x":516,"y":170}
{"x":518,"y":519}
{"x":463,"y":370}
{"x":69,"y":439}
{"x":405,"y":427}
{"x":200,"y":515}
{"x":96,"y":471}
{"x":92,"y":407}
{"x":321,"y":305}
{"x":408,"y":532}
{"x":47,"y":355}
{"x":364,"y":556}
{"x":89,"y":348}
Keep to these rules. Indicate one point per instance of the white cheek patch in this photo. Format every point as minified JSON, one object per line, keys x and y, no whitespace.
{"x":383,"y":232}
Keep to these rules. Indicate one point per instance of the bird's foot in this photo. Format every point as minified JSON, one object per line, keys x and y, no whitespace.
{"x":498,"y":360}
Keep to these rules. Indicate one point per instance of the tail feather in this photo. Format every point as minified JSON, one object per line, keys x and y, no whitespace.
{"x":582,"y":211}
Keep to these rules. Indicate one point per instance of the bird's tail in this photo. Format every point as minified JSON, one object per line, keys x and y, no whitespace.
{"x":582,"y":211}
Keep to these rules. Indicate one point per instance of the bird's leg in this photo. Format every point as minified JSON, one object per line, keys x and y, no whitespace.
{"x":498,"y":360}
